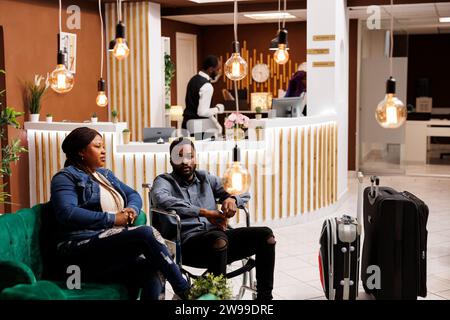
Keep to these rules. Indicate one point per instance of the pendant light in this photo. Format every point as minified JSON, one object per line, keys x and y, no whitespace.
{"x":236,"y":66}
{"x":120,"y":49}
{"x":236,"y":179}
{"x":61,"y":79}
{"x":281,"y":55}
{"x":102,"y":99}
{"x":391,"y":111}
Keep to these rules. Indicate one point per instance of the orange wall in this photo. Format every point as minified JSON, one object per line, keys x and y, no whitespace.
{"x":30,"y":39}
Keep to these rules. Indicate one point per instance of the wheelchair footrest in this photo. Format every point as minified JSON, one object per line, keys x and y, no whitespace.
{"x":247,"y":267}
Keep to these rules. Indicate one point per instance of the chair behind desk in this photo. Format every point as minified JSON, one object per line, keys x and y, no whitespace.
{"x":168,"y":223}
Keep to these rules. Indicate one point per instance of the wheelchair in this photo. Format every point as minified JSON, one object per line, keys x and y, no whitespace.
{"x":168,"y":224}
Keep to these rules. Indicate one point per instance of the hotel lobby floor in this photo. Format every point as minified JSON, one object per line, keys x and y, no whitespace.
{"x":296,"y":270}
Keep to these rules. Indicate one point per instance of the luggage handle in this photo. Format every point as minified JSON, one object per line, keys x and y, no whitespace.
{"x":359,"y":203}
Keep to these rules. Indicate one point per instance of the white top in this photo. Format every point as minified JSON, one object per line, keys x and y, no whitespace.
{"x":206,"y":93}
{"x":110,"y":200}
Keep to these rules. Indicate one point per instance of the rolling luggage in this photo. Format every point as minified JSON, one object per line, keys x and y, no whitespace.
{"x":339,"y":254}
{"x":395,"y":243}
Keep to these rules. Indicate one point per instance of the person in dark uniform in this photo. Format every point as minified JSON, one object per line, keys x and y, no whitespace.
{"x":297,"y":86}
{"x":199,"y":93}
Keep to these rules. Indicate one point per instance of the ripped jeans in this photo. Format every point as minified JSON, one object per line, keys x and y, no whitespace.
{"x":215,"y":249}
{"x":135,"y":256}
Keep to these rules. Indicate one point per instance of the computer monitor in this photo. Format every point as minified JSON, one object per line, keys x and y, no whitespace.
{"x":154,"y":134}
{"x":288,"y":107}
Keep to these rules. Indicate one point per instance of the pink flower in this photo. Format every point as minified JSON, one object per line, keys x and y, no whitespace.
{"x":232,"y":117}
{"x":229,"y":124}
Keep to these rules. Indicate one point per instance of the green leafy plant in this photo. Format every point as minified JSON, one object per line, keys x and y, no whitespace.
{"x":94,"y":115}
{"x":167,"y":106}
{"x":11,"y":152}
{"x":114,"y":114}
{"x":209,"y":284}
{"x":35,"y":91}
{"x":49,"y":115}
{"x":169,"y":71}
{"x":258,"y":109}
{"x":125,"y":130}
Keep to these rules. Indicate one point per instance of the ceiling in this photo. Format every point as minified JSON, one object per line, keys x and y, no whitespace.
{"x":413,"y":18}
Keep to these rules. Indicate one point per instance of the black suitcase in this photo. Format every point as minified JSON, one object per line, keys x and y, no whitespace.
{"x":339,"y":255}
{"x":395,"y":243}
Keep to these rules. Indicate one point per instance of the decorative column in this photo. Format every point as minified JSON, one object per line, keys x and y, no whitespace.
{"x":327,"y":44}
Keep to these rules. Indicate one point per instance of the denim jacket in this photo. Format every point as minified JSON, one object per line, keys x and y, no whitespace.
{"x":75,"y":197}
{"x":170,"y":192}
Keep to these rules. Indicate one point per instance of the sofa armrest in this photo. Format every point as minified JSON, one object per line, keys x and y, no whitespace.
{"x":15,"y":272}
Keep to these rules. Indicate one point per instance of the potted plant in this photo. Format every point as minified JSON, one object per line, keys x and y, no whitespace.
{"x":169,"y":73}
{"x":10,"y":152}
{"x":235,"y":124}
{"x":49,"y":117}
{"x":126,"y":135}
{"x":34,"y":93}
{"x":259,"y":133}
{"x":210,"y":287}
{"x":114,"y":115}
{"x":258,"y":115}
{"x":94,"y":118}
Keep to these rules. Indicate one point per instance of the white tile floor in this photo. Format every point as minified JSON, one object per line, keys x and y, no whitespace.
{"x":296,"y":270}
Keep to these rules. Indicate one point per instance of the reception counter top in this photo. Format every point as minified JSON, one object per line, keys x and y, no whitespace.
{"x":293,"y":165}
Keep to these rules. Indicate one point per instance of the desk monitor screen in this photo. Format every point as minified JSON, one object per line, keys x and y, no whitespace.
{"x":153,"y":134}
{"x":288,"y":107}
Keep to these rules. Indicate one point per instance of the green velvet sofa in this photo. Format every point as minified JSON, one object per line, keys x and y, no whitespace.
{"x":28,"y":265}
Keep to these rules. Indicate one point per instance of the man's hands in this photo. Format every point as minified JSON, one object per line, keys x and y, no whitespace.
{"x":215,"y":217}
{"x":229,"y":207}
{"x":125,"y":217}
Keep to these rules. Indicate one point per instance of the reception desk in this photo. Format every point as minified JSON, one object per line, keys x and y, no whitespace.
{"x":293,"y":167}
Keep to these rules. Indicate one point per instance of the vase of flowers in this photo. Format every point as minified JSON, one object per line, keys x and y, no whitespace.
{"x":34,"y":93}
{"x":235,"y":124}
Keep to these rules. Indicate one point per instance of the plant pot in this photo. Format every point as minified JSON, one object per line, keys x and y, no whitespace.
{"x":126,"y":137}
{"x":34,"y":117}
{"x":115,"y":120}
{"x":94,"y":120}
{"x":49,"y":119}
{"x":258,"y":116}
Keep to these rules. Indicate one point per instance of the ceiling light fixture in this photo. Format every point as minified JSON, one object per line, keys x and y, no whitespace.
{"x":102,"y":99}
{"x":391,"y":112}
{"x":270,"y":16}
{"x":444,"y":19}
{"x":235,"y":67}
{"x":121,"y":50}
{"x":236,"y":179}
{"x":61,"y":79}
{"x":281,"y":55}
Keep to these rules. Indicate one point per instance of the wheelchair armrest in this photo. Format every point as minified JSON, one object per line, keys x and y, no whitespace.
{"x":247,"y":215}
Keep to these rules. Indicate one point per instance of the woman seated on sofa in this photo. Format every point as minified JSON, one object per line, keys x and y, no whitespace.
{"x":94,"y":211}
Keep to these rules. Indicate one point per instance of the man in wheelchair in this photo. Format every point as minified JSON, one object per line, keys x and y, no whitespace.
{"x":205,"y":239}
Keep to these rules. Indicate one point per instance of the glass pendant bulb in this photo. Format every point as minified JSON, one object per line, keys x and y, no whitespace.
{"x":236,"y":179}
{"x":121,"y":50}
{"x":281,"y":55}
{"x":236,"y":66}
{"x":102,"y":99}
{"x":390,"y":112}
{"x":61,"y":79}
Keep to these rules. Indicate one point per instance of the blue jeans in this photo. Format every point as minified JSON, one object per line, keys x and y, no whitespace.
{"x":128,"y":255}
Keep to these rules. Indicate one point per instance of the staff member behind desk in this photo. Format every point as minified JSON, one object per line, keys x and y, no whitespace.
{"x":297,"y":86}
{"x":199,"y":94}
